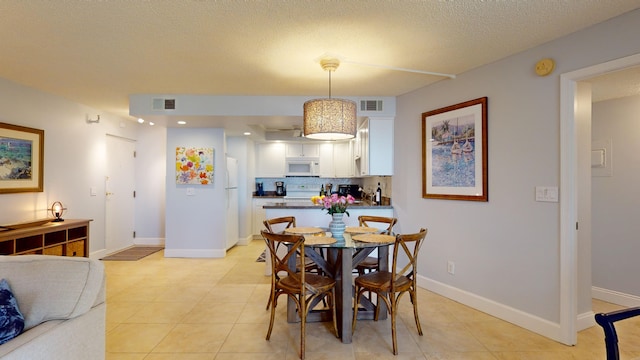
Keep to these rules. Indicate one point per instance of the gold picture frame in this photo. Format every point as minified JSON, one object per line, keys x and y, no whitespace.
{"x":21,"y":159}
{"x":454,"y":152}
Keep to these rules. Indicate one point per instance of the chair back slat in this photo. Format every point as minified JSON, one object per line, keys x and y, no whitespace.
{"x":280,"y":223}
{"x":286,"y":262}
{"x":369,"y":220}
{"x":410,"y":245}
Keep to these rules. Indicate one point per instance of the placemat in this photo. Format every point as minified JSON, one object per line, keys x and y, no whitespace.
{"x":374,"y":238}
{"x":303,"y":230}
{"x":319,"y":240}
{"x":361,"y":230}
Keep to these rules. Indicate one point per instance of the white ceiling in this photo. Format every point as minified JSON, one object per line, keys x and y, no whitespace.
{"x":99,"y":52}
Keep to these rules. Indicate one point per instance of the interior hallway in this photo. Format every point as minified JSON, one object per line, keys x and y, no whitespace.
{"x":195,"y":309}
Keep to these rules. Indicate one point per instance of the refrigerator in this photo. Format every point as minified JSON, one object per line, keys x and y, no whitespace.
{"x":231,"y":194}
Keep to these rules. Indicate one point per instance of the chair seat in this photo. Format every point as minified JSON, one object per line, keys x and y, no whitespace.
{"x":369,"y":263}
{"x":381,"y":281}
{"x":319,"y":282}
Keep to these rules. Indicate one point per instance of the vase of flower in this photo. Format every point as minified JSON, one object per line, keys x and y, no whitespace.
{"x":337,"y":226}
{"x":336,"y":206}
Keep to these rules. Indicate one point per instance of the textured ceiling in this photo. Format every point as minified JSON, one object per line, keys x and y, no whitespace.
{"x":99,"y":52}
{"x":616,"y":84}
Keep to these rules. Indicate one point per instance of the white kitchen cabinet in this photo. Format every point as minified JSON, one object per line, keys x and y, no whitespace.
{"x":299,"y":150}
{"x":327,"y":168}
{"x":343,"y":162}
{"x":375,"y":137}
{"x":270,"y":160}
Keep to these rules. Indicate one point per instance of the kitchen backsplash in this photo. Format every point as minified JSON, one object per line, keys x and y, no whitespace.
{"x":369,"y":184}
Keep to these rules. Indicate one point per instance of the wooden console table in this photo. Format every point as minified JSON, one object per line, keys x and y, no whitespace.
{"x":66,"y":238}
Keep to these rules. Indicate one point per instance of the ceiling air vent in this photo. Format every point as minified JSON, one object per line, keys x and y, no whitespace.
{"x":370,"y":105}
{"x":164,"y":104}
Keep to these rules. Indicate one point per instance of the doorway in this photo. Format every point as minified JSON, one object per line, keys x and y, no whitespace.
{"x":571,"y":177}
{"x":119,"y":197}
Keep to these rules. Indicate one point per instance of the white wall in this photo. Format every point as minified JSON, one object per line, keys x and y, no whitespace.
{"x":195,"y":225}
{"x":616,"y":198}
{"x":74,"y":159}
{"x":506,"y":250}
{"x":151,"y":162}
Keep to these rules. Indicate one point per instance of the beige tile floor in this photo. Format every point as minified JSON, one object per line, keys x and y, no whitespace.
{"x":195,"y":309}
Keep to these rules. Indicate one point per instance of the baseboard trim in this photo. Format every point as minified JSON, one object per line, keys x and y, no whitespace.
{"x":194,"y":253}
{"x":586,"y":320}
{"x":246,"y":241}
{"x":517,"y":317}
{"x":615,"y":297}
{"x":149,"y":241}
{"x":97,"y":255}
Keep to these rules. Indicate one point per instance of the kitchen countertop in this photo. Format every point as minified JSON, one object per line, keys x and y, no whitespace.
{"x":309,"y":205}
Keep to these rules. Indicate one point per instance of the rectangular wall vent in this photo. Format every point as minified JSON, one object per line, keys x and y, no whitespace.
{"x":164,"y":104}
{"x":370,"y":105}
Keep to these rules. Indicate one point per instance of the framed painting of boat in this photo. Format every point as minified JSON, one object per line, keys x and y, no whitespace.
{"x":21,"y":159}
{"x":454,"y":152}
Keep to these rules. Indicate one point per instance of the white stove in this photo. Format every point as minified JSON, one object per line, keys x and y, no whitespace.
{"x":301,"y":192}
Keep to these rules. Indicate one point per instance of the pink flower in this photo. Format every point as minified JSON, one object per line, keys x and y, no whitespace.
{"x":334,"y":203}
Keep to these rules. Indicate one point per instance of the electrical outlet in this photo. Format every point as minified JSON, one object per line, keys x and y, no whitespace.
{"x":451,"y":267}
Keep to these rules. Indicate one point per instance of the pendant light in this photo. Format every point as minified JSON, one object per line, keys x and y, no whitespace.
{"x":330,"y":119}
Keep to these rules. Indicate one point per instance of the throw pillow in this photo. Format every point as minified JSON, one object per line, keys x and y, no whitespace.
{"x":11,"y":319}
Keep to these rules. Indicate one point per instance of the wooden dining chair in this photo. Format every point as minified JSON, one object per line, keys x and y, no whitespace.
{"x":371,"y":263}
{"x":391,"y":285}
{"x":305,"y":289}
{"x":279,"y":225}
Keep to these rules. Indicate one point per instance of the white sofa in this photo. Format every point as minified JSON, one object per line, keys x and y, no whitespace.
{"x":63,"y":303}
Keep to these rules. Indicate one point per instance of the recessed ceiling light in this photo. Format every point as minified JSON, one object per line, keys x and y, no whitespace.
{"x":151,"y":123}
{"x":247,"y":133}
{"x":181,"y":122}
{"x":140,"y":120}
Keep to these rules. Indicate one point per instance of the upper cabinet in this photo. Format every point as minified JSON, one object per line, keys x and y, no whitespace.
{"x":375,"y":144}
{"x":369,"y":154}
{"x":327,"y":168}
{"x":270,"y":159}
{"x":343,"y":159}
{"x":299,"y":150}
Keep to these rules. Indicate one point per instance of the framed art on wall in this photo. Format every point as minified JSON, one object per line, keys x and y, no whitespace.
{"x":194,"y":166}
{"x":454,"y":152}
{"x":21,"y":159}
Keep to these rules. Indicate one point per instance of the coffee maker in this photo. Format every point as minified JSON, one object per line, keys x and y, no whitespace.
{"x":280,"y":189}
{"x":259,"y":189}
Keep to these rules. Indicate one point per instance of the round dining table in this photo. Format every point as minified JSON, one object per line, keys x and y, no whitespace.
{"x":337,"y":257}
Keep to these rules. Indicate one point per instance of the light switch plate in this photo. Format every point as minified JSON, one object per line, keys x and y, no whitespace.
{"x":547,"y":193}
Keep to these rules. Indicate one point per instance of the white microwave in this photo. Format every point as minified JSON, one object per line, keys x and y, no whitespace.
{"x":302,"y":167}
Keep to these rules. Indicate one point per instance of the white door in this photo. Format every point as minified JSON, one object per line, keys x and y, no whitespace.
{"x":120,"y":181}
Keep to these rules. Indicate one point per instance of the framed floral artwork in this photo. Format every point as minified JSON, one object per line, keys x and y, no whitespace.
{"x":21,"y":159}
{"x":194,"y":166}
{"x":454,"y":152}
